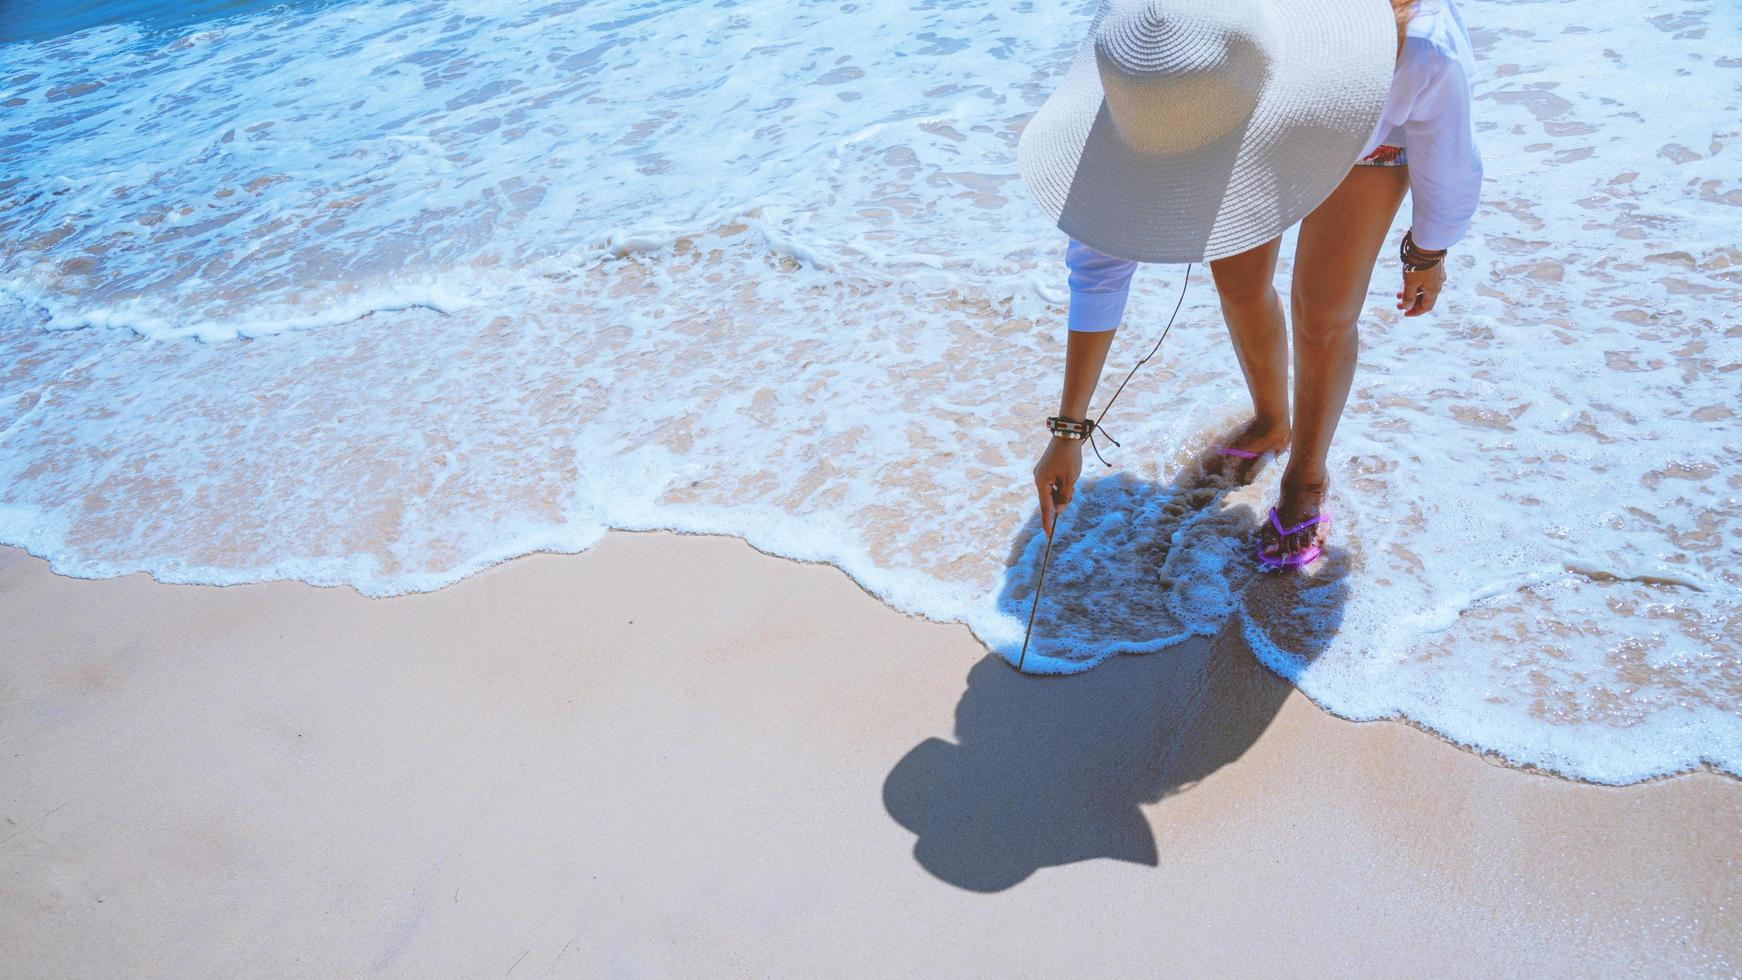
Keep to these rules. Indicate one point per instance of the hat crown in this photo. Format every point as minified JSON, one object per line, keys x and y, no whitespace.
{"x":1180,"y":74}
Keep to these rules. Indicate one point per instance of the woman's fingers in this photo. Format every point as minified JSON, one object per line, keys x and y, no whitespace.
{"x":1054,"y":477}
{"x":1055,"y":493}
{"x":1421,"y":290}
{"x":1415,"y":299}
{"x":1051,"y":501}
{"x":1047,"y":511}
{"x":1424,"y":299}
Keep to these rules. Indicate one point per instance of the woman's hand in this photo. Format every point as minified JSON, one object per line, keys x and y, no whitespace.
{"x":1421,"y":289}
{"x":1055,"y":478}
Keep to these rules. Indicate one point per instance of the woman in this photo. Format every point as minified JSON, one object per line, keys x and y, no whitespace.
{"x":1423,"y":141}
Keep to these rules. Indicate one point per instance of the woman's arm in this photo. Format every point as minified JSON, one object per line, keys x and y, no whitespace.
{"x":1445,"y":168}
{"x":1100,"y":285}
{"x":1085,"y":356}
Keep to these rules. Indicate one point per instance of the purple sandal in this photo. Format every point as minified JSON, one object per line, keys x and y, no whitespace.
{"x":1231,"y":451}
{"x":1305,"y":557}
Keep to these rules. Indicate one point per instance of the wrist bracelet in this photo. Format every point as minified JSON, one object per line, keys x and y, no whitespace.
{"x":1415,"y":258}
{"x":1065,"y":428}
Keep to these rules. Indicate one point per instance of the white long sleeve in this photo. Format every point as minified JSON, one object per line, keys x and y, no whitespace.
{"x":1100,"y":284}
{"x":1445,"y":170}
{"x":1428,"y":113}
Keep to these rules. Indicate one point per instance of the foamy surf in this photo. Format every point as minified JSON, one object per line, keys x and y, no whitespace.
{"x":464,"y":299}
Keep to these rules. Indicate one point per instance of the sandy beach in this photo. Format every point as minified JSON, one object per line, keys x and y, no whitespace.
{"x":513,"y":489}
{"x":674,"y":755}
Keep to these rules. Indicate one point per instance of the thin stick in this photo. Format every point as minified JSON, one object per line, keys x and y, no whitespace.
{"x":1038,"y":585}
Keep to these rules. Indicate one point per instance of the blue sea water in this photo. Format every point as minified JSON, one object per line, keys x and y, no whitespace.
{"x":45,"y":20}
{"x":381,"y":292}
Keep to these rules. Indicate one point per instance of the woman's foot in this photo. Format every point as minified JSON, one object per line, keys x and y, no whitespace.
{"x":1237,"y":455}
{"x":1299,"y":502}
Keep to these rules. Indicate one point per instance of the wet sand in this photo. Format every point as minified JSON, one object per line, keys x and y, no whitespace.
{"x":675,"y":755}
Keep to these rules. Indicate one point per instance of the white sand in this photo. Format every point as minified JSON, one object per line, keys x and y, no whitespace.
{"x":673,"y":755}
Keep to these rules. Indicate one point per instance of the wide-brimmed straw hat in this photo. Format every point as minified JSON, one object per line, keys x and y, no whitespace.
{"x":1187,"y":130}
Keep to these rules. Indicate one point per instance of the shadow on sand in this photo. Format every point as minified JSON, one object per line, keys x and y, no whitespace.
{"x":1050,"y":770}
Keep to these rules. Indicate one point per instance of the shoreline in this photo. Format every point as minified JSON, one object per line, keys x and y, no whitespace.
{"x":673,"y":752}
{"x":1493,"y":757}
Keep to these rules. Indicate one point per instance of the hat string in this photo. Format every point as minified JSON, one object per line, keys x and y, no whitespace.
{"x":1097,"y":426}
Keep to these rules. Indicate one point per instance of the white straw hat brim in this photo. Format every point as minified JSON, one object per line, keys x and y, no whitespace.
{"x":1318,"y":106}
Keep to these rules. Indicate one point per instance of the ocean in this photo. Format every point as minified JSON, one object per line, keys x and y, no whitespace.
{"x":380,"y":293}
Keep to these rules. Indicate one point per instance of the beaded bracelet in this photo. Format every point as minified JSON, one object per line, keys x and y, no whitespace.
{"x":1065,"y":428}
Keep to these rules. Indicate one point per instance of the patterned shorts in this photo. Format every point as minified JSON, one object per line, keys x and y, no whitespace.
{"x":1386,"y":156}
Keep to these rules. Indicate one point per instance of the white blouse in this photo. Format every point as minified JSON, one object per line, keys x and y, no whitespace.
{"x":1427,"y":112}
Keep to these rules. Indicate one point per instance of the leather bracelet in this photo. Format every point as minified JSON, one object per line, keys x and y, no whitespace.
{"x":1415,"y":258}
{"x":1065,"y":428}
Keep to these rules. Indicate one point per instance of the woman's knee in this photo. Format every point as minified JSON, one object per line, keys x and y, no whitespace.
{"x":1253,"y":298}
{"x":1243,"y":281}
{"x":1323,"y":319}
{"x":1244,"y":290}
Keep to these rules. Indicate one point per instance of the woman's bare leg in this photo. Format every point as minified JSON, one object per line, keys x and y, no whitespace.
{"x":1253,"y":312}
{"x":1334,"y":257}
